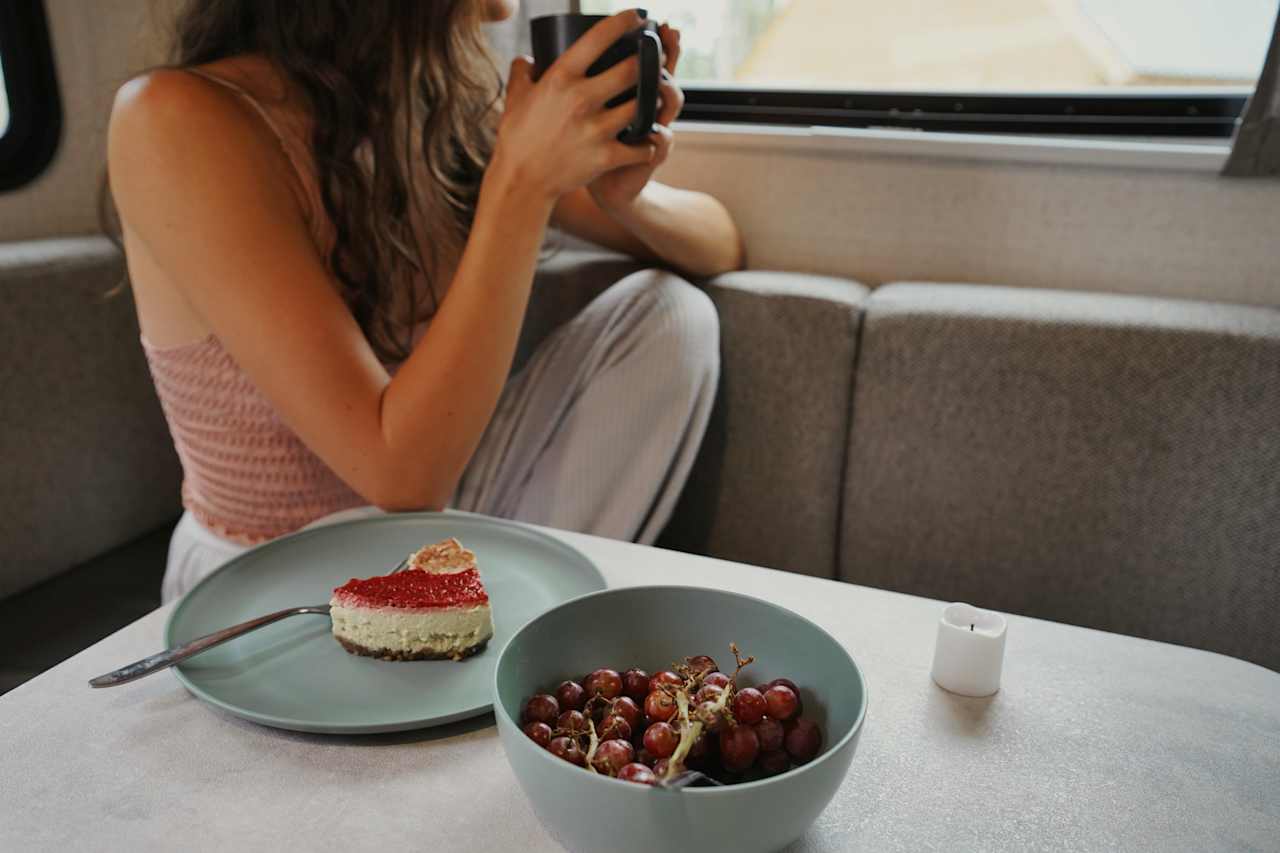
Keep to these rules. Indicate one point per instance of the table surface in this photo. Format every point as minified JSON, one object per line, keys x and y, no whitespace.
{"x":1096,"y":741}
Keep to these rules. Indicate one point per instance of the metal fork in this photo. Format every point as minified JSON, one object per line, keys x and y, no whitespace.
{"x":177,"y":654}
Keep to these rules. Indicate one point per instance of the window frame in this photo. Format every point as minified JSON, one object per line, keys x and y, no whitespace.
{"x":1187,"y":113}
{"x":30,"y":80}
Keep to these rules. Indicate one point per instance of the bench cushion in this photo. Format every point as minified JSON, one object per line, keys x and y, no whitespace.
{"x":1101,"y":460}
{"x":765,"y":488}
{"x":88,"y":460}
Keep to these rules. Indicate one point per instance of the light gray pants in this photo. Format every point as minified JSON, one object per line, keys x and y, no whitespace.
{"x":595,"y":433}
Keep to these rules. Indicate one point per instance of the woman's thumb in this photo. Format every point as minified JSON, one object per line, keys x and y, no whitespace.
{"x":520,"y":78}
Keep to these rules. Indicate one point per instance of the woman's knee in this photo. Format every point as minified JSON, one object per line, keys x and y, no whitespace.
{"x":678,"y":317}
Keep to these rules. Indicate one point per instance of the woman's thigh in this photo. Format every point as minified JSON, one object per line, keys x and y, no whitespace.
{"x":598,"y":430}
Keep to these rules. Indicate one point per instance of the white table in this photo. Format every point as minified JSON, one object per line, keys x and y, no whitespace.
{"x":1097,"y":741}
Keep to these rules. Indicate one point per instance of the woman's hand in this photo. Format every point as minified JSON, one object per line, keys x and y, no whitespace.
{"x":617,"y":189}
{"x":556,"y":135}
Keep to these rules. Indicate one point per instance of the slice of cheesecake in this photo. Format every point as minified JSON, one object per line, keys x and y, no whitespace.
{"x":437,"y":608}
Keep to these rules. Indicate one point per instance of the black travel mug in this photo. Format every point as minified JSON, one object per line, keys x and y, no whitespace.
{"x":552,"y":35}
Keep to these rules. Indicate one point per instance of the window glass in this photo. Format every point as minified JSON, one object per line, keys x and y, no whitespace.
{"x":967,"y":45}
{"x":4,"y":102}
{"x":30,"y":111}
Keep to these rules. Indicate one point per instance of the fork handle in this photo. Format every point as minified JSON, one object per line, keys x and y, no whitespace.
{"x":176,"y":654}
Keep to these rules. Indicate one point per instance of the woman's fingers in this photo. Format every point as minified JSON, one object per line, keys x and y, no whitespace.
{"x":612,"y":121}
{"x":663,"y":139}
{"x":575,"y":61}
{"x":519,"y":78}
{"x":614,"y":81}
{"x":670,"y":37}
{"x":620,"y":155}
{"x":672,"y":98}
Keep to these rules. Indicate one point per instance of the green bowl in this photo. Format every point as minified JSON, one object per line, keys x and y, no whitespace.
{"x":651,"y":627}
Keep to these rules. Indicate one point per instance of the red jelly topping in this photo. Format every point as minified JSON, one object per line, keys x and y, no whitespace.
{"x":414,"y":589}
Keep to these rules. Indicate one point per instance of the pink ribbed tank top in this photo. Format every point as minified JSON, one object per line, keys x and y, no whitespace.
{"x":246,"y":475}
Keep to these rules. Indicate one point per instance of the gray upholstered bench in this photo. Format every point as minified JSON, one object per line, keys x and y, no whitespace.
{"x":88,"y":461}
{"x":1102,"y":460}
{"x":1094,"y":459}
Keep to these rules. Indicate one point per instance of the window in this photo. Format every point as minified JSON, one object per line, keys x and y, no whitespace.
{"x":1135,"y":67}
{"x":4,"y":104}
{"x":30,"y":114}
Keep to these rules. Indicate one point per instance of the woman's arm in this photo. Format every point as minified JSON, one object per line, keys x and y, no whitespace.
{"x":200,"y":194}
{"x":691,"y":231}
{"x":626,"y":210}
{"x":200,"y":191}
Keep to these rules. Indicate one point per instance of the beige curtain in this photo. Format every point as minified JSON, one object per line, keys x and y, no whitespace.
{"x":1255,"y":152}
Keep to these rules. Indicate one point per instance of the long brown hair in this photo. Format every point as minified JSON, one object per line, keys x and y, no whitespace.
{"x":387,"y":83}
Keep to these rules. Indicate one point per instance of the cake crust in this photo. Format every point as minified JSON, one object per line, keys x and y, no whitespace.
{"x":392,"y":655}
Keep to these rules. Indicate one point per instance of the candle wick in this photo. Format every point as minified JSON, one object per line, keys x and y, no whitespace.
{"x":970,"y":626}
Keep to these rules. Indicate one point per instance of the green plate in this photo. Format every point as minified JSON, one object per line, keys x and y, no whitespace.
{"x":294,"y":675}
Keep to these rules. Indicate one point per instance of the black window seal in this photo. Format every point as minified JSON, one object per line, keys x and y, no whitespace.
{"x":35,"y":110}
{"x":1174,"y":114}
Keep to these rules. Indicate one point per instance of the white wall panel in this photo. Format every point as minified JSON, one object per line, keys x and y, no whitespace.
{"x":879,"y":217}
{"x":97,"y":45}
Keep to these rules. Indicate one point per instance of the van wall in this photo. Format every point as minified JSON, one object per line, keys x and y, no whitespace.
{"x":96,"y":47}
{"x":843,"y":208}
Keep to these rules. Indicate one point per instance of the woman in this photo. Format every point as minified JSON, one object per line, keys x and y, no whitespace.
{"x":332,"y":222}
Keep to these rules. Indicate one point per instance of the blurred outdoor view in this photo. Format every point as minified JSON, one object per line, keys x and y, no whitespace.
{"x":4,"y":104}
{"x":1008,"y":45}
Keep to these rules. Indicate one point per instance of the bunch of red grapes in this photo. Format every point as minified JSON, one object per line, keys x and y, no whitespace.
{"x":642,"y":728}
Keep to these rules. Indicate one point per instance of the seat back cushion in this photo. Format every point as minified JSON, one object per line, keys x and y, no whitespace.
{"x":766,"y":486}
{"x":88,"y":463}
{"x":1100,"y":460}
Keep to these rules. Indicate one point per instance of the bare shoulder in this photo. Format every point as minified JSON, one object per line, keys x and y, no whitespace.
{"x":168,"y":105}
{"x":164,"y":90}
{"x":175,"y":127}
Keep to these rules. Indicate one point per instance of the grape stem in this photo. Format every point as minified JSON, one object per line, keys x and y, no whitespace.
{"x":591,"y":749}
{"x":691,"y":730}
{"x":739,"y":660}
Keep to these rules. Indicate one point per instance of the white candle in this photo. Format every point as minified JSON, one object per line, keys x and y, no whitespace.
{"x":969,"y":653}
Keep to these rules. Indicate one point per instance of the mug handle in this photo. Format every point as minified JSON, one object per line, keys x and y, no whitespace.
{"x":649,"y":50}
